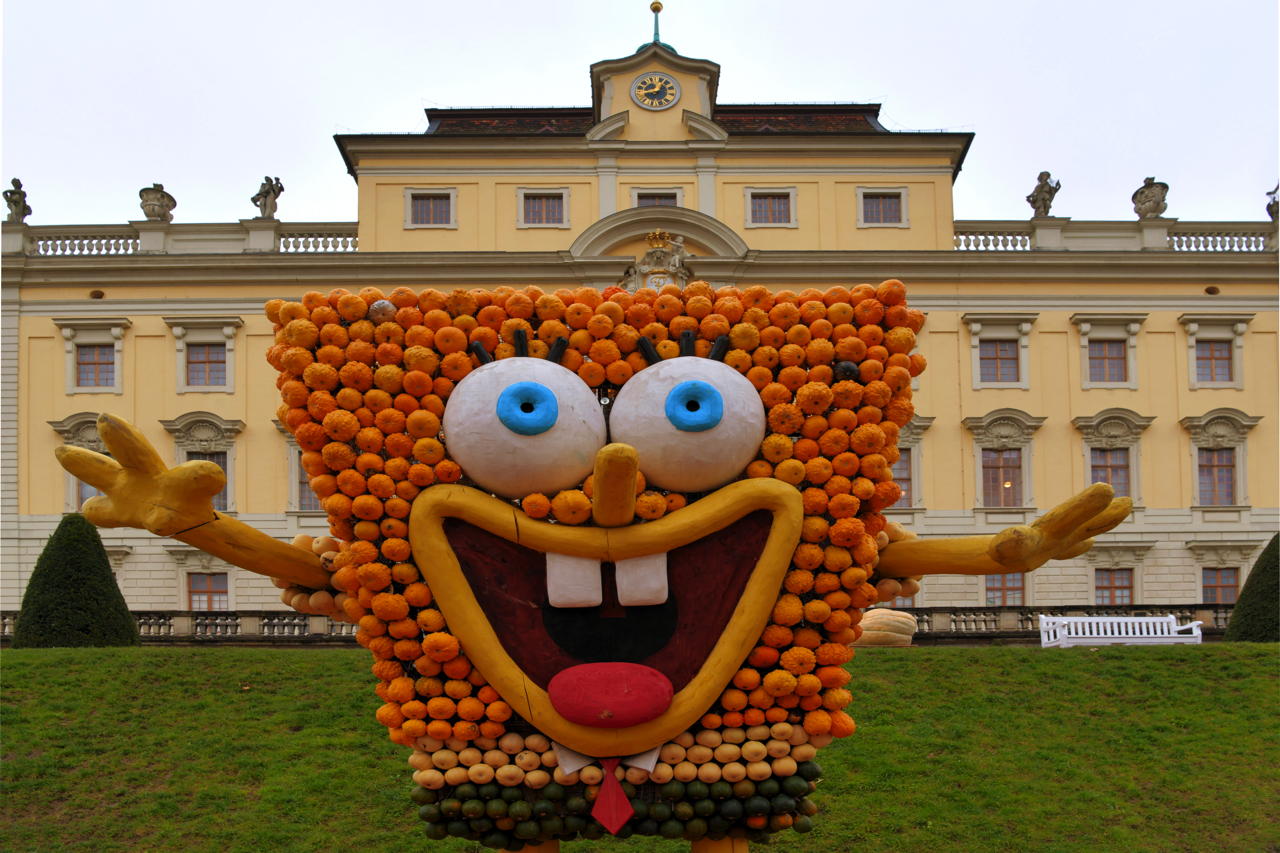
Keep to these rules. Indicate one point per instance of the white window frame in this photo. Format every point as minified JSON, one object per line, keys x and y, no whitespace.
{"x":205,"y":432}
{"x":1115,"y":429}
{"x":1110,"y":327}
{"x":93,"y":331}
{"x":521,"y":192}
{"x":1115,"y":554}
{"x":205,"y":330}
{"x":678,"y":192}
{"x":1000,"y":327}
{"x":1221,"y":429}
{"x":451,"y":192}
{"x":78,"y":430}
{"x":1004,"y":429}
{"x":1216,"y":327}
{"x":902,"y":193}
{"x":1238,"y":554}
{"x":748,"y":192}
{"x":294,"y":455}
{"x":192,"y":561}
{"x":911,"y":437}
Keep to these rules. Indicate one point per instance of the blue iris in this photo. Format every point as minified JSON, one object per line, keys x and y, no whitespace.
{"x":528,"y":408}
{"x":694,"y":406}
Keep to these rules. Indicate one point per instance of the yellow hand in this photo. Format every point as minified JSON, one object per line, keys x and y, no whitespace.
{"x":139,"y":490}
{"x":1063,"y":532}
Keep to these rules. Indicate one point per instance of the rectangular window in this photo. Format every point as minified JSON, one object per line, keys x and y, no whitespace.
{"x":543,"y":209}
{"x":1111,"y":466}
{"x":219,"y":458}
{"x":904,"y":601}
{"x":84,"y":491}
{"x":1005,"y":590}
{"x":1221,"y":585}
{"x":1113,"y":586}
{"x":208,"y":591}
{"x":1002,"y":478}
{"x":655,"y":199}
{"x":1217,"y":477}
{"x":1108,"y":361}
{"x":95,"y":365}
{"x":307,"y":499}
{"x":431,"y":209}
{"x":207,"y":364}
{"x":881,"y":208}
{"x":998,"y":361}
{"x":770,"y":208}
{"x":1213,"y":361}
{"x":902,"y":476}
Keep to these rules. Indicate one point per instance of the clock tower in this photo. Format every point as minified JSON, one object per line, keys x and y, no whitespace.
{"x":654,"y":94}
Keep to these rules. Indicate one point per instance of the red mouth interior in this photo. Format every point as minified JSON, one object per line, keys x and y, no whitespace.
{"x":705,"y":581}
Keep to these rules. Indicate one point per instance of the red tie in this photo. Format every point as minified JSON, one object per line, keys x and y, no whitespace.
{"x":612,"y":808}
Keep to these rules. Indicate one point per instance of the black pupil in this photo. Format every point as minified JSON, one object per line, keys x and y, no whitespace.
{"x":692,"y":405}
{"x":526,"y":407}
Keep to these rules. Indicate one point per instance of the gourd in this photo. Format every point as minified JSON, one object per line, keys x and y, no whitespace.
{"x":884,"y":627}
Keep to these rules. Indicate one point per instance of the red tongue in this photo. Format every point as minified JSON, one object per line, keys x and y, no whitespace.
{"x":611,"y":695}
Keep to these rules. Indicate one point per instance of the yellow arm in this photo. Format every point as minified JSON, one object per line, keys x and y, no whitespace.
{"x":1065,"y":531}
{"x":140,"y":491}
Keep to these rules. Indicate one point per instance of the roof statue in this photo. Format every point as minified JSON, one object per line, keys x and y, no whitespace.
{"x":19,"y":210}
{"x":265,"y":197}
{"x":1273,"y":205}
{"x":1148,"y":199}
{"x":1041,"y":198}
{"x":157,"y":205}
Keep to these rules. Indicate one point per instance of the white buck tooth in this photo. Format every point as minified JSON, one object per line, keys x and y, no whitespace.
{"x":573,"y":581}
{"x":642,"y":580}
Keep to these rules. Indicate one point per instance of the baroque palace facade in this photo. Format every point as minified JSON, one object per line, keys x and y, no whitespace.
{"x":1061,"y":352}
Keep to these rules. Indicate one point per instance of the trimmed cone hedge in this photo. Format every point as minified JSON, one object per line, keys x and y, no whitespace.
{"x":1256,"y":617}
{"x":72,"y":599}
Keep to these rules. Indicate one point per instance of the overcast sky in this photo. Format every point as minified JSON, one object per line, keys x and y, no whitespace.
{"x":103,"y":98}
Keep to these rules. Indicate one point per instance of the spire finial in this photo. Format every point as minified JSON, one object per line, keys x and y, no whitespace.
{"x":655,"y":7}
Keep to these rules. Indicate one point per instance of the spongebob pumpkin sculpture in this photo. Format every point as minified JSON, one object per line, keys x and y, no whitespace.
{"x":608,"y":550}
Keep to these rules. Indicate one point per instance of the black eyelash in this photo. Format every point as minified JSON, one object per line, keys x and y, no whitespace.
{"x":482,"y":355}
{"x":719,"y":349}
{"x":687,"y":341}
{"x":649,"y":351}
{"x":557,"y":350}
{"x":522,"y":343}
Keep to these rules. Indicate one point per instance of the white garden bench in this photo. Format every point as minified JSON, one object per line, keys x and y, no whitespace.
{"x":1063,"y":631}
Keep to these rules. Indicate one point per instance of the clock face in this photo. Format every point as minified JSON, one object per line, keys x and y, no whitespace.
{"x":655,"y":91}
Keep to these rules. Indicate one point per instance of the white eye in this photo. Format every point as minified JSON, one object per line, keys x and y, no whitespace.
{"x":523,"y":425}
{"x":695,"y":422}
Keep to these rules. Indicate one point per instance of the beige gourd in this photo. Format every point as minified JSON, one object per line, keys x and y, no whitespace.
{"x":884,"y":627}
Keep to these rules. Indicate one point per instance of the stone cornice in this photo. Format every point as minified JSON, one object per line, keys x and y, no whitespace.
{"x":950,"y":148}
{"x":287,"y":269}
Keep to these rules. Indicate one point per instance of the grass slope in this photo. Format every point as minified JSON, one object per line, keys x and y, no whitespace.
{"x":958,"y":749}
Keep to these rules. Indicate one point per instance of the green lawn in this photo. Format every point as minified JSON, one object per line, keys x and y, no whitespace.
{"x":958,"y":749}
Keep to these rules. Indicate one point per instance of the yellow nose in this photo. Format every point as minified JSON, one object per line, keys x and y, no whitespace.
{"x":613,"y":501}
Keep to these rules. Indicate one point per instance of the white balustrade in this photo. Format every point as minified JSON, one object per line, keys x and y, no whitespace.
{"x":993,"y":241}
{"x":1218,"y":241}
{"x":64,"y":245}
{"x":318,"y":241}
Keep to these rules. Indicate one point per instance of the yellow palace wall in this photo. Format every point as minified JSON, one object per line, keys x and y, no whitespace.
{"x":948,"y":493}
{"x":487,"y":197}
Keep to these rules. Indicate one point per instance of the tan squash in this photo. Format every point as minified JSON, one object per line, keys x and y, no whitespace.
{"x":884,"y":627}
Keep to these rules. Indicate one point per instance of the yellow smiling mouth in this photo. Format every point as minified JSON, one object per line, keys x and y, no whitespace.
{"x":443,"y":572}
